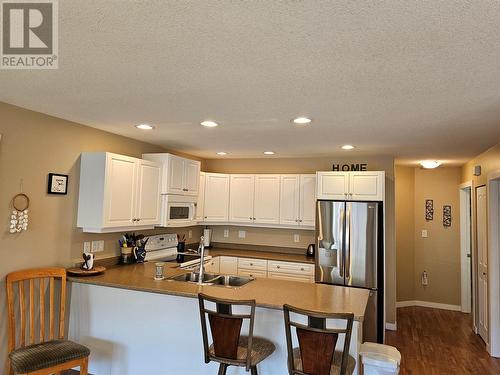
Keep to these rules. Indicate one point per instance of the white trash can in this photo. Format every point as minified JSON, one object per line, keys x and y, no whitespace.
{"x":378,"y":359}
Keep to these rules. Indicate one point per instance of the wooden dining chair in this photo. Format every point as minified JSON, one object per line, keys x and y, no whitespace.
{"x":37,"y":351}
{"x":316,"y":354}
{"x":229,"y":347}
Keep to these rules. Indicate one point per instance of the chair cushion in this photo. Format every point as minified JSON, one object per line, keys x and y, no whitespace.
{"x":337,"y":360}
{"x":261,"y":349}
{"x":46,"y":354}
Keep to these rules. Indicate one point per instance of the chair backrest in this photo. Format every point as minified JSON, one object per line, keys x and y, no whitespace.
{"x":225,"y":327}
{"x":316,"y":341}
{"x":36,"y":280}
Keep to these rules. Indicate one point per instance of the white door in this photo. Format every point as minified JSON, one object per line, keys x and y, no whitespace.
{"x":332,"y":185}
{"x":482,"y":262}
{"x":289,"y":199}
{"x":120,"y":191}
{"x":191,"y":177}
{"x":216,"y":197}
{"x":241,"y":194}
{"x":200,"y":203}
{"x":267,"y":199}
{"x":366,"y":186}
{"x":148,"y":193}
{"x":175,"y":180}
{"x":307,"y":203}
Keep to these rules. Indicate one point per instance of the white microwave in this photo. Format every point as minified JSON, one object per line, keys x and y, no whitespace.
{"x":178,"y":210}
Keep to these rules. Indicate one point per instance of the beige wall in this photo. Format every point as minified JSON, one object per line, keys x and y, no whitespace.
{"x":439,"y":254}
{"x":282,"y":237}
{"x":32,"y":146}
{"x":489,"y":162}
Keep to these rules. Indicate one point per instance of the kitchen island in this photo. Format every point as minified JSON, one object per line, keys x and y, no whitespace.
{"x":136,"y":325}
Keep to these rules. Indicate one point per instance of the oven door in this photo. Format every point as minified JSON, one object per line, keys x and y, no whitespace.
{"x":179,"y":211}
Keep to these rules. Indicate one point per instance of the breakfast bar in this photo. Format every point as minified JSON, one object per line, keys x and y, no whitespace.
{"x":134,"y":324}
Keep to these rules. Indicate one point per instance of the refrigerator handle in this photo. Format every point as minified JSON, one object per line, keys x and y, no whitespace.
{"x":347,"y":247}
{"x":340,"y":249}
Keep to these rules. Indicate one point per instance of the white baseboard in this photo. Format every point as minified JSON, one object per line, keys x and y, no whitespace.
{"x":433,"y":305}
{"x":391,"y":326}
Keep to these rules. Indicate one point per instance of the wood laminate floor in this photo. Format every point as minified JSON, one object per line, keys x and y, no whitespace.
{"x":433,"y":341}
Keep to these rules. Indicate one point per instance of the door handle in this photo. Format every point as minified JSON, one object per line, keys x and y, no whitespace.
{"x":347,"y":260}
{"x":340,"y":248}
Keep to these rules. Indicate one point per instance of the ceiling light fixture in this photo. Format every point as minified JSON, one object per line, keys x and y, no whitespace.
{"x":348,"y":147}
{"x":144,"y":126}
{"x":209,"y":124}
{"x":302,"y":120}
{"x":268,"y":152}
{"x":222,"y":153}
{"x":430,"y":164}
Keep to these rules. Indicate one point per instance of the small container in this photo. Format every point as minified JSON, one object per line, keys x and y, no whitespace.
{"x":181,"y":246}
{"x":159,"y":271}
{"x":379,"y":359}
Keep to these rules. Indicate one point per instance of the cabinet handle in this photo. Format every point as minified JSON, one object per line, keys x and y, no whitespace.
{"x":300,"y":221}
{"x":254,"y":218}
{"x":277,"y":266}
{"x":302,"y":269}
{"x":251,"y":264}
{"x":250,"y":218}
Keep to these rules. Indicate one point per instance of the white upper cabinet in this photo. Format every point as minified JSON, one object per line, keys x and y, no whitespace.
{"x":289,"y":199}
{"x":267,"y":199}
{"x":241,"y":202}
{"x":216,"y":197}
{"x":200,"y":203}
{"x":363,"y":186}
{"x":307,"y":204}
{"x":179,"y":175}
{"x":117,"y":193}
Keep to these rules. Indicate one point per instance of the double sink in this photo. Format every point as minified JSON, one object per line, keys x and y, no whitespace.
{"x":214,"y":279}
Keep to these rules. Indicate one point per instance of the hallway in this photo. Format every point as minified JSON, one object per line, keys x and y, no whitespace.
{"x":433,"y":341}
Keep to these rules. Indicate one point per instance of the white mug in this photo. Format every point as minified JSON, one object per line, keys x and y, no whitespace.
{"x":88,"y":261}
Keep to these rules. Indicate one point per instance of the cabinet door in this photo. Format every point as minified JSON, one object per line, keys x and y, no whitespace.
{"x":120,"y":191}
{"x":200,"y":203}
{"x":213,"y":265}
{"x":148,"y":193}
{"x":367,"y":186}
{"x":307,"y":204}
{"x":228,"y":265}
{"x":332,"y":185}
{"x":267,"y":199}
{"x":252,"y":273}
{"x":289,"y":200}
{"x":175,"y":178}
{"x":191,"y":177}
{"x":216,"y":197}
{"x":241,"y":194}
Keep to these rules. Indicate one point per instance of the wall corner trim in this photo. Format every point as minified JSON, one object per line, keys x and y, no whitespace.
{"x":434,"y":305}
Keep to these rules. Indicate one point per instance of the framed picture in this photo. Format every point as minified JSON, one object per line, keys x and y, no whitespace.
{"x":58,"y":184}
{"x":447,"y":216}
{"x":429,"y":209}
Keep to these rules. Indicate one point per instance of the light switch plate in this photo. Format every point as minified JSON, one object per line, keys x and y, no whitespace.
{"x":97,"y":246}
{"x":424,"y":233}
{"x":296,"y":238}
{"x":242,"y":234}
{"x":86,"y":247}
{"x":226,"y":233}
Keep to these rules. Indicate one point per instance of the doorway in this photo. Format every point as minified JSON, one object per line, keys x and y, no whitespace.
{"x":467,"y":296}
{"x":482,"y":263}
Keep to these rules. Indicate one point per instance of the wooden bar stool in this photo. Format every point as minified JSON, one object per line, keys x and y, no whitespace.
{"x":48,"y":355}
{"x":316,"y":354}
{"x":229,"y":347}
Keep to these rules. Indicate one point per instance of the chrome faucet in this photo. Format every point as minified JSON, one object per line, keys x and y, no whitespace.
{"x":201,"y":251}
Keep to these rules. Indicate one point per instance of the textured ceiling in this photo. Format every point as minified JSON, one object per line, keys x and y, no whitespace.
{"x":413,"y":79}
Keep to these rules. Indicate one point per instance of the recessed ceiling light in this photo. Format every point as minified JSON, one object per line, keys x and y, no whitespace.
{"x":222,"y":153}
{"x":268,"y":152}
{"x":348,"y":147}
{"x":144,"y":127}
{"x":302,"y":120}
{"x":209,"y":123}
{"x":430,"y":164}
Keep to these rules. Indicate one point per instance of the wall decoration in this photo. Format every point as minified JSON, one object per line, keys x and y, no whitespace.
{"x":19,"y":216}
{"x":58,"y":184}
{"x":446,"y":216}
{"x":429,"y":209}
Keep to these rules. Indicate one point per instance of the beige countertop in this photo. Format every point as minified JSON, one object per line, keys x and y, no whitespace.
{"x":268,"y":293}
{"x":256,"y":254}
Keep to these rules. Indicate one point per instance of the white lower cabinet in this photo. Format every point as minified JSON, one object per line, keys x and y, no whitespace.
{"x":228,"y":265}
{"x":213,"y":265}
{"x":290,"y":277}
{"x":252,"y":273}
{"x":290,"y":271}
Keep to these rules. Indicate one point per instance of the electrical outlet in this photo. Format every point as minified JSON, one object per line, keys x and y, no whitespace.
{"x":97,"y":246}
{"x":86,"y":247}
{"x":296,"y":238}
{"x":425,"y":234}
{"x":226,"y":233}
{"x":242,"y":234}
{"x":425,"y":278}
{"x":190,"y":233}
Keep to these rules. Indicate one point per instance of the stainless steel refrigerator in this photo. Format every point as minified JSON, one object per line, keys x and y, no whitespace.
{"x":349,"y":243}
